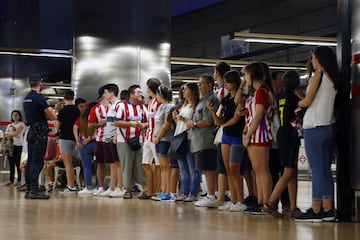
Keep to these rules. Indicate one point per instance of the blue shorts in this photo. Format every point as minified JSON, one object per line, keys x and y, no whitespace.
{"x":162,"y":148}
{"x":226,"y":139}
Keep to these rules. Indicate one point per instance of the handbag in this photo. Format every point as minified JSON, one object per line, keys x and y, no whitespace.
{"x":8,"y":146}
{"x":133,"y":143}
{"x":218,"y":136}
{"x":178,"y":146}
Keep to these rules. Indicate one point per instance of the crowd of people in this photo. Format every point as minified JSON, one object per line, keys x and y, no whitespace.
{"x":255,"y":111}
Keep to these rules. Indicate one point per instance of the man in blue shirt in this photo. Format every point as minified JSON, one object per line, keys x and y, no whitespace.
{"x":37,"y":112}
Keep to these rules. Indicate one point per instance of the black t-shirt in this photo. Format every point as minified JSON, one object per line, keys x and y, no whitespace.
{"x":229,"y":108}
{"x":67,"y":117}
{"x":34,"y":105}
{"x":288,"y":102}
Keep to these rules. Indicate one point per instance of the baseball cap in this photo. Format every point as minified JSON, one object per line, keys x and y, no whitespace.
{"x":100,"y":92}
{"x":36,"y":78}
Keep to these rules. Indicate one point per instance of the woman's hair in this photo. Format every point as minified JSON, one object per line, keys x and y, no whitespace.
{"x":153,"y":84}
{"x":222,"y":68}
{"x":256,"y":71}
{"x":291,"y":80}
{"x":233,"y":76}
{"x":181,"y":93}
{"x":267,"y":73}
{"x":83,"y":128}
{"x":165,"y":92}
{"x":327,"y":60}
{"x":195,"y":94}
{"x":18,"y":112}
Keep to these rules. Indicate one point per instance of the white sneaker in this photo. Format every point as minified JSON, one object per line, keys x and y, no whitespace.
{"x":117,"y":193}
{"x":226,"y":206}
{"x":207,"y":202}
{"x":106,"y":193}
{"x":238,"y":207}
{"x":98,"y":191}
{"x":85,"y":192}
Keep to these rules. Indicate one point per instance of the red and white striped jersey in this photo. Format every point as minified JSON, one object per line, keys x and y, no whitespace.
{"x":129,"y":112}
{"x":153,"y":106}
{"x":222,"y":92}
{"x":98,"y":114}
{"x":264,"y":97}
{"x":110,"y":128}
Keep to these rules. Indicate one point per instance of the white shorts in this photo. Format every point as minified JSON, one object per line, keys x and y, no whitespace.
{"x":149,"y":153}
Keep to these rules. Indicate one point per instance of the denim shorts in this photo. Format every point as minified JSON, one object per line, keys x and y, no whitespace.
{"x":66,"y":145}
{"x":162,"y":148}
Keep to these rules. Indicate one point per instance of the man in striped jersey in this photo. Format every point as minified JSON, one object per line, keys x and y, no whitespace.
{"x":97,"y":120}
{"x":149,"y":154}
{"x":131,"y":119}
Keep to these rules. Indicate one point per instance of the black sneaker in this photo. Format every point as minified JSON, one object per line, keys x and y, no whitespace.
{"x":328,"y":216}
{"x":42,"y":188}
{"x":27,"y":194}
{"x":310,"y":216}
{"x":38,"y":195}
{"x":67,"y":190}
{"x":257,"y":210}
{"x":251,"y":201}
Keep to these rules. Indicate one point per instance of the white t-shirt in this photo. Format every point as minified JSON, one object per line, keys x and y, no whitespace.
{"x":321,"y":110}
{"x":18,"y":139}
{"x":187,"y":113}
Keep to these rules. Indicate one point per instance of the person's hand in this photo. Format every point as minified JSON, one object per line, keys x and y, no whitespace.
{"x":300,"y":94}
{"x":246,"y":139}
{"x":210,"y":105}
{"x":190,"y":124}
{"x":156,"y":140}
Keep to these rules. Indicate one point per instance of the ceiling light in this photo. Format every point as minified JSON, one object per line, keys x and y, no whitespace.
{"x":284,"y":39}
{"x":233,"y":63}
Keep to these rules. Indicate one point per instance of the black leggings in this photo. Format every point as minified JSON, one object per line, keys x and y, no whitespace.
{"x":15,"y":162}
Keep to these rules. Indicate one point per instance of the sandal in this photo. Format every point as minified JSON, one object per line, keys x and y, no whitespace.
{"x":271,"y":209}
{"x":144,"y":195}
{"x":128,"y":195}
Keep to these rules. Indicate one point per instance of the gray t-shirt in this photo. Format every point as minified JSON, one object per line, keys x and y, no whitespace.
{"x":160,"y":120}
{"x":203,"y":138}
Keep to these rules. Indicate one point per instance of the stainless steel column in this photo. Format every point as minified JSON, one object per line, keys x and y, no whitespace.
{"x":122,"y":42}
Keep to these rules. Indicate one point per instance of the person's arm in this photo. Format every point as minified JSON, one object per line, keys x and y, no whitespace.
{"x":50,"y":113}
{"x":76,"y":135}
{"x":239,"y":93}
{"x":235,"y":118}
{"x":217,"y":119}
{"x":16,"y":132}
{"x":314,"y":85}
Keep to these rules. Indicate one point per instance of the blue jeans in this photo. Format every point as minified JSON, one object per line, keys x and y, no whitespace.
{"x":318,"y":146}
{"x":86,"y":155}
{"x":189,"y":176}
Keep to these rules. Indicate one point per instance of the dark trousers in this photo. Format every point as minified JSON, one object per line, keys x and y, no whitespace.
{"x":276,"y":170}
{"x":34,"y":164}
{"x":14,"y":161}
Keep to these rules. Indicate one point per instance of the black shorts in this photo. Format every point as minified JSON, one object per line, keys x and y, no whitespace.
{"x":245,"y":164}
{"x":220,"y":162}
{"x":206,"y":160}
{"x":288,"y":144}
{"x":110,"y":153}
{"x":99,"y":152}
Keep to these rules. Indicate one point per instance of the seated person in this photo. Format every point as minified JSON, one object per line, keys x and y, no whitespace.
{"x":52,"y":158}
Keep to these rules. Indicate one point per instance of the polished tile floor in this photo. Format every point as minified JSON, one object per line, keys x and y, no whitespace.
{"x":75,"y":217}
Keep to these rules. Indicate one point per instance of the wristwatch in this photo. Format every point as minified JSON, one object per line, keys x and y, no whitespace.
{"x":195,"y":124}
